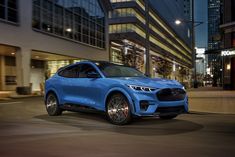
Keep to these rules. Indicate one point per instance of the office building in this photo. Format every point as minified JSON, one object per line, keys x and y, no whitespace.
{"x":141,"y":37}
{"x":38,"y":37}
{"x":228,"y":41}
{"x":214,"y":18}
{"x":214,"y":41}
{"x":172,"y":10}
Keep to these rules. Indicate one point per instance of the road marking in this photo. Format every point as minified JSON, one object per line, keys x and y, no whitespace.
{"x":16,"y":102}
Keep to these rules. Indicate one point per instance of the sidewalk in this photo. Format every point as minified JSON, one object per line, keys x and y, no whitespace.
{"x":212,"y":99}
{"x":4,"y":95}
{"x":7,"y":95}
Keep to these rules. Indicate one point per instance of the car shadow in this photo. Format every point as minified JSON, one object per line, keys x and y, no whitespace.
{"x":147,"y":126}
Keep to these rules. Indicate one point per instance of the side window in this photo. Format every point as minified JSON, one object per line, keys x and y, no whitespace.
{"x":85,"y":69}
{"x":70,"y":72}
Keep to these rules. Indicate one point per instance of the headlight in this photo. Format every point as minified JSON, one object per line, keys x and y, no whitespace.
{"x":183,"y":87}
{"x":141,"y":88}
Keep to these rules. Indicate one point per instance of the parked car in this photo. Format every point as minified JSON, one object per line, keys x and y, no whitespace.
{"x":119,"y":91}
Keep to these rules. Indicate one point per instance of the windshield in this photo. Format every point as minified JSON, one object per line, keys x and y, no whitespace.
{"x":113,"y":70}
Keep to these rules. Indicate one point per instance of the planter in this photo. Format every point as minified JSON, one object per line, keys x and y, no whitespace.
{"x":25,"y":90}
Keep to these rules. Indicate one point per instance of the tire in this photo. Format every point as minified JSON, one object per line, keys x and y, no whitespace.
{"x":168,"y":116}
{"x":52,"y":105}
{"x":118,"y":110}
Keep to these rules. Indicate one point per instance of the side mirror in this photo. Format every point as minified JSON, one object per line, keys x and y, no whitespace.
{"x":93,"y":74}
{"x":147,"y":75}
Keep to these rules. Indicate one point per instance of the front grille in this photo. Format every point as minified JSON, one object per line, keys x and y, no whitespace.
{"x":171,"y":94}
{"x":174,"y":109}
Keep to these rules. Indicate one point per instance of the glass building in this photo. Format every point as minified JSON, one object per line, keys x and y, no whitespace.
{"x":79,"y":20}
{"x":214,"y":19}
{"x":214,"y":41}
{"x":138,"y":35}
{"x":39,"y":36}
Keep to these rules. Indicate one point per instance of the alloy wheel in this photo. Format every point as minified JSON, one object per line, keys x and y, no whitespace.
{"x":52,"y":105}
{"x":118,"y":109}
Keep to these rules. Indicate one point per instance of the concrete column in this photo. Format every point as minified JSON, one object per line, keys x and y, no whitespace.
{"x":147,"y":42}
{"x":151,"y":67}
{"x":2,"y":73}
{"x":23,"y":58}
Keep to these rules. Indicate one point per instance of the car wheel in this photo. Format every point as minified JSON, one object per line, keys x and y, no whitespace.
{"x":118,"y":110}
{"x":52,"y":105}
{"x":168,"y":116}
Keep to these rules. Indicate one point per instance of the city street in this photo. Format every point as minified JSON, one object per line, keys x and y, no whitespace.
{"x":105,"y":54}
{"x":27,"y":130}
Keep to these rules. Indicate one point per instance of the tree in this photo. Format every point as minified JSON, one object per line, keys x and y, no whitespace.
{"x":182,"y":73}
{"x":132,"y":58}
{"x":164,"y":67}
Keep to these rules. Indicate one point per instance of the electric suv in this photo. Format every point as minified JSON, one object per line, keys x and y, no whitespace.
{"x":121,"y":92}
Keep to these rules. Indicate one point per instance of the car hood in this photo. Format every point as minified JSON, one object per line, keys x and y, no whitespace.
{"x":149,"y":82}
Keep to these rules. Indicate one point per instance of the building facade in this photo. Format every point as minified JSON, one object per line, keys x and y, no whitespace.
{"x":214,"y":20}
{"x":140,"y":37}
{"x":228,"y":41}
{"x":38,"y":37}
{"x":172,"y":10}
{"x":214,"y":41}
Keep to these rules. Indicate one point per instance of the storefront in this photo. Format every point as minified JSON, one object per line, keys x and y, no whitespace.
{"x":228,"y":59}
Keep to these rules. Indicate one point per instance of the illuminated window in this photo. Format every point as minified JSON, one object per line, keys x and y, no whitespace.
{"x":117,"y":56}
{"x":126,"y":12}
{"x":122,"y":28}
{"x":53,"y":66}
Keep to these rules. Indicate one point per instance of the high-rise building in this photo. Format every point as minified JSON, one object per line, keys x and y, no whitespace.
{"x":214,"y":18}
{"x":187,"y":9}
{"x":228,"y":40}
{"x":140,"y":36}
{"x":214,"y":41}
{"x":172,"y":10}
{"x":37,"y":37}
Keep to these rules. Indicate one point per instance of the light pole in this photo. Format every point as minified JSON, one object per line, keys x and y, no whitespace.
{"x":147,"y":44}
{"x":192,"y":32}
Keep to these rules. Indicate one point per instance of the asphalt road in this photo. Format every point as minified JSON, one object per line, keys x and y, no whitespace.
{"x":26,"y":130}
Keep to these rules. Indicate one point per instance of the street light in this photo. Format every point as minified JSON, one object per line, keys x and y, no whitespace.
{"x":177,"y":22}
{"x":194,"y":24}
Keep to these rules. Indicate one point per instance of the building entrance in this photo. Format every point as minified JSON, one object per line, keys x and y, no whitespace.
{"x":8,"y":79}
{"x":44,"y":65}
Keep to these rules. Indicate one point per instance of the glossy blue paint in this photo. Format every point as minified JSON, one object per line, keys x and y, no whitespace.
{"x":93,"y":92}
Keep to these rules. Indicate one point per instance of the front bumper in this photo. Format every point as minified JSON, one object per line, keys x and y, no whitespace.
{"x":155,"y":107}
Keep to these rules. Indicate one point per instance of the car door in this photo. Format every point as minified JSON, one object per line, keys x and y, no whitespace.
{"x":88,"y":88}
{"x":83,"y":90}
{"x":66,"y":82}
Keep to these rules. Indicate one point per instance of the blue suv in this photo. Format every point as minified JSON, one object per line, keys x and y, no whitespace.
{"x":120,"y":91}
